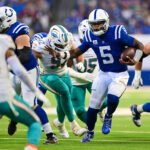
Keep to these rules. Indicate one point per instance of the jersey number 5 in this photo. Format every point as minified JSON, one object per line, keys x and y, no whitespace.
{"x":107,"y":57}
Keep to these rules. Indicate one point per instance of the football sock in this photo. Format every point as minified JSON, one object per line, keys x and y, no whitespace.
{"x":43,"y":90}
{"x":91,"y":118}
{"x":34,"y":133}
{"x":112,"y":104}
{"x":145,"y":108}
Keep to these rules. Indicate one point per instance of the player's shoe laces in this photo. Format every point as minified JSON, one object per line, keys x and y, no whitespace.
{"x":30,"y":147}
{"x":136,"y":116}
{"x":12,"y":127}
{"x":88,"y":136}
{"x":102,"y":115}
{"x":76,"y":129}
{"x":52,"y":139}
{"x":107,"y":124}
{"x":61,"y":127}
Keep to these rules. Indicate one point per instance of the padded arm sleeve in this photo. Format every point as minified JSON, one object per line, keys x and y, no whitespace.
{"x":24,"y":54}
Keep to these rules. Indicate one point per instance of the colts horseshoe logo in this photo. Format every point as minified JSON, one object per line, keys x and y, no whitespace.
{"x":9,"y":12}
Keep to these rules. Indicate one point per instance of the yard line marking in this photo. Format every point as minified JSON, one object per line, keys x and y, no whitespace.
{"x":123,"y":141}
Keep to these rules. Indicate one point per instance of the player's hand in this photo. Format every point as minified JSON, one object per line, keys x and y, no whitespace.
{"x":51,"y":51}
{"x":43,"y":98}
{"x":80,"y":67}
{"x":89,"y":77}
{"x":129,"y":61}
{"x":137,"y":81}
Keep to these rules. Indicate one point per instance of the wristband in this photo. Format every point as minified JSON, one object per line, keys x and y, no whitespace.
{"x":138,"y":55}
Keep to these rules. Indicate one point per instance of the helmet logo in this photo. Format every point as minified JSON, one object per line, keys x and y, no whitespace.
{"x":54,"y":34}
{"x":8,"y":12}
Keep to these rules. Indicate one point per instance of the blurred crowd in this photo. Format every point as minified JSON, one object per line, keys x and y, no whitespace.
{"x":35,"y":13}
{"x":133,"y":14}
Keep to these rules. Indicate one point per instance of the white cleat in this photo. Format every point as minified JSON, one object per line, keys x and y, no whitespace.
{"x":61,"y":127}
{"x":76,"y":129}
{"x":30,"y":147}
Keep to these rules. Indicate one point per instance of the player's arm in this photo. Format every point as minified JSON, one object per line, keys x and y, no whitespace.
{"x":20,"y":71}
{"x":37,"y":54}
{"x":137,"y":81}
{"x":23,"y":48}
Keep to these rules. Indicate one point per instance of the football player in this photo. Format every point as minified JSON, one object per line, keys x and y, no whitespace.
{"x":137,"y":81}
{"x":107,"y":42}
{"x":55,"y":77}
{"x":11,"y":104}
{"x":80,"y":86}
{"x":19,"y":33}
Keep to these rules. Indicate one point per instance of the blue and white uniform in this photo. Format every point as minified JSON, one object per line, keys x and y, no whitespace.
{"x":113,"y":76}
{"x":16,"y":30}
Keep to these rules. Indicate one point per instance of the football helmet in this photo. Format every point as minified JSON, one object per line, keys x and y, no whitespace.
{"x":7,"y":17}
{"x":58,"y":37}
{"x":83,"y":26}
{"x":98,"y":21}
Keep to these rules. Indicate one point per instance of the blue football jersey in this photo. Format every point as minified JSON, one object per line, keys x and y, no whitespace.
{"x":108,"y":47}
{"x":38,"y":36}
{"x":16,"y":30}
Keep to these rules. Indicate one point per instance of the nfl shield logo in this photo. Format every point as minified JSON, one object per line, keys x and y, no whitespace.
{"x":95,"y":42}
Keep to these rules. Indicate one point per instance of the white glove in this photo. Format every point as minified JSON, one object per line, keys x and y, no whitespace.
{"x":88,"y":76}
{"x":42,"y":97}
{"x":137,"y":81}
{"x":80,"y":66}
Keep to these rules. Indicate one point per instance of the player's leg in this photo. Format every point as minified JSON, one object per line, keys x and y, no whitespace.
{"x":43,"y":90}
{"x":30,"y":98}
{"x":102,"y":110}
{"x":78,"y":101}
{"x":27,"y":117}
{"x":136,"y":112}
{"x":115,"y":90}
{"x":59,"y":122}
{"x":99,"y":91}
{"x":60,"y":87}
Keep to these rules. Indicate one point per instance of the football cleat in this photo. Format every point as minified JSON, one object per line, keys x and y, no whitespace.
{"x":12,"y":127}
{"x":52,"y":139}
{"x":61,"y":127}
{"x":76,"y":129}
{"x":88,"y":136}
{"x":107,"y":124}
{"x":30,"y":147}
{"x":136,"y":116}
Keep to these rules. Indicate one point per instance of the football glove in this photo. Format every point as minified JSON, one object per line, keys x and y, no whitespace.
{"x":80,"y":67}
{"x":137,"y":81}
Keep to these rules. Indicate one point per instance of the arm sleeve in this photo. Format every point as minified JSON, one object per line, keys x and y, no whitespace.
{"x":124,"y":37}
{"x":84,"y":46}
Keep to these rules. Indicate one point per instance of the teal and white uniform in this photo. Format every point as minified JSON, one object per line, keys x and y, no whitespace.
{"x":55,"y":78}
{"x":11,"y":102}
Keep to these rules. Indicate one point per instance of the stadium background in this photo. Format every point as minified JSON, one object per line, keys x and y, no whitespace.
{"x":39,"y":15}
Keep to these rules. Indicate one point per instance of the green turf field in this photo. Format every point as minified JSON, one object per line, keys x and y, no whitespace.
{"x":124,"y":134}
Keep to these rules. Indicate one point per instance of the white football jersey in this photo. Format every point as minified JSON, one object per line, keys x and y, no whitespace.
{"x":48,"y":63}
{"x":6,"y":90}
{"x":90,"y":64}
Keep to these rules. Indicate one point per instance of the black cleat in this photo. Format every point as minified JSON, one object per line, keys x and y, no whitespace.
{"x":51,"y":139}
{"x":12,"y":127}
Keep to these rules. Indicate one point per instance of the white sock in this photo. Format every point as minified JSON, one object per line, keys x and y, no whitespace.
{"x":140,"y":108}
{"x":47,"y":128}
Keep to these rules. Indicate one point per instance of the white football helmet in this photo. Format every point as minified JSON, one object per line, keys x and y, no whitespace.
{"x":83,"y":26}
{"x":58,"y":37}
{"x":7,"y":17}
{"x":98,"y":21}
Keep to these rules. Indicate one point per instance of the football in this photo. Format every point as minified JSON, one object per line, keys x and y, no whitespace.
{"x":130,"y":51}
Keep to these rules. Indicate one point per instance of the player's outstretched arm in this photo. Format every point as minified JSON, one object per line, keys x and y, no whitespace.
{"x":20,"y":71}
{"x":74,"y":53}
